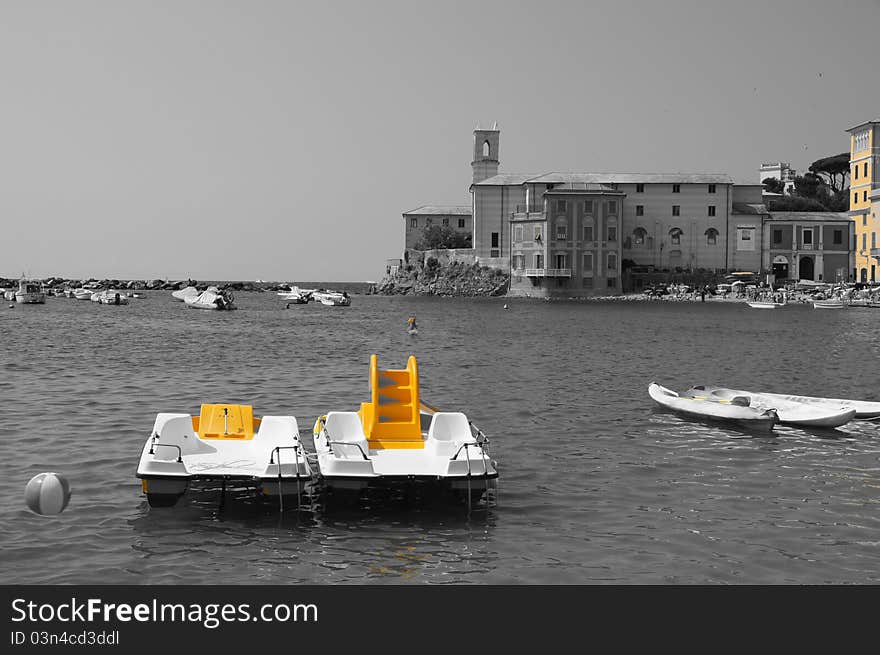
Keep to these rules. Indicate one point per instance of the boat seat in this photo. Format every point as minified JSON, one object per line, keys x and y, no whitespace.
{"x":447,"y":432}
{"x":347,"y":427}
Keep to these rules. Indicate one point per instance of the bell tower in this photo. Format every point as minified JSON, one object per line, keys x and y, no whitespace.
{"x":485,"y":163}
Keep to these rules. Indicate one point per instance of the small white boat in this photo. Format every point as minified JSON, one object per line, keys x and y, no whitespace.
{"x":736,"y":411}
{"x":112,"y":297}
{"x":182,"y":294}
{"x":332,"y":298}
{"x":30,"y":292}
{"x":395,"y":438}
{"x":828,"y":304}
{"x":864,"y":408}
{"x":211,"y":298}
{"x":82,"y":294}
{"x":296,"y":296}
{"x":760,"y":304}
{"x":9,"y":294}
{"x":224,"y":443}
{"x":790,"y":412}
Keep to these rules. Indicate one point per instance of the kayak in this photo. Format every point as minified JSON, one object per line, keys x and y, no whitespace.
{"x":736,"y":410}
{"x":790,"y":412}
{"x":864,"y":408}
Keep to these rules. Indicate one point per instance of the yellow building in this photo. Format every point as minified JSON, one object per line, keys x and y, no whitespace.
{"x":864,"y":178}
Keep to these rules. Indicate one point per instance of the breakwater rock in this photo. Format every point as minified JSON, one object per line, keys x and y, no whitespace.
{"x":453,"y":279}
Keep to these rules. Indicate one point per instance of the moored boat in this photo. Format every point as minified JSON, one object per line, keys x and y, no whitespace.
{"x":224,"y":443}
{"x":182,"y":294}
{"x":828,"y":304}
{"x":864,"y":408}
{"x":790,"y":412}
{"x":296,"y":296}
{"x":82,"y":293}
{"x":30,"y":292}
{"x":211,"y":298}
{"x":735,"y":411}
{"x":760,"y":304}
{"x":395,"y":438}
{"x":332,"y":298}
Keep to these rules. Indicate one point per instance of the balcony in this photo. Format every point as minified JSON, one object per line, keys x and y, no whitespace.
{"x":523,"y":213}
{"x":548,"y":272}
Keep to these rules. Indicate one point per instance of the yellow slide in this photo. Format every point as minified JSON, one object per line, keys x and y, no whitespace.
{"x":391,"y":418}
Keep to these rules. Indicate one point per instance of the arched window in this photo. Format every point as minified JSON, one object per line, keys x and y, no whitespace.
{"x":639,"y":235}
{"x":675,"y":236}
{"x":486,"y":149}
{"x":711,"y":236}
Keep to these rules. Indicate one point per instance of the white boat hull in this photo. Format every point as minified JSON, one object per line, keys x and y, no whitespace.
{"x":30,"y":298}
{"x":765,"y":305}
{"x":790,"y":412}
{"x":708,"y":409}
{"x":828,"y":305}
{"x":864,"y":408}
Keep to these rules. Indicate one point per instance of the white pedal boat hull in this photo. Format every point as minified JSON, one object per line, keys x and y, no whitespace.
{"x":715,"y":410}
{"x":790,"y":412}
{"x":174,"y":455}
{"x":451,"y":455}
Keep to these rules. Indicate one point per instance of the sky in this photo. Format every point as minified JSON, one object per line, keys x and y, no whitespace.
{"x":283,"y":140}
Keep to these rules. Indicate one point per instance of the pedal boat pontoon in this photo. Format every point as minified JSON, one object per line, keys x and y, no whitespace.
{"x":396,"y":438}
{"x":225,"y":443}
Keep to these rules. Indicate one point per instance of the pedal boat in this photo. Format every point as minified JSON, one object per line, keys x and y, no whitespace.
{"x":224,"y":443}
{"x":736,"y":410}
{"x":395,"y":438}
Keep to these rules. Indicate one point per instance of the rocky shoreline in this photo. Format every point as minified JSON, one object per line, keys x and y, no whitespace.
{"x":453,"y":279}
{"x":55,"y":282}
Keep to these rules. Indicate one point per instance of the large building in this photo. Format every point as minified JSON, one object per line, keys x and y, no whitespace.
{"x":864,"y":160}
{"x":780,"y":170}
{"x":456,"y":217}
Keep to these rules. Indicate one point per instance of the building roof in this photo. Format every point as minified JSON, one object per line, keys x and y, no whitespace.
{"x":749,"y":208}
{"x":443,"y":210}
{"x":504,"y":179}
{"x":810,"y":216}
{"x":860,"y":125}
{"x":633,"y":178}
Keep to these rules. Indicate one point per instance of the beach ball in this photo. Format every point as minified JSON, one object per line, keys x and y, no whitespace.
{"x":47,"y":493}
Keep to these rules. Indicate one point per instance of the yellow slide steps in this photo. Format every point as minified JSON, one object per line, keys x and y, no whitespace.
{"x":391,"y":418}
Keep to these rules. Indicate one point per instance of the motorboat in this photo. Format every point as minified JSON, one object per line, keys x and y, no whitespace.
{"x":828,"y":304}
{"x":225,"y":443}
{"x":761,"y":304}
{"x":790,"y":412}
{"x":82,"y":293}
{"x":396,"y":438}
{"x":182,"y":294}
{"x":865,"y":409}
{"x":112,"y":297}
{"x":296,"y":296}
{"x":211,"y":298}
{"x":30,"y":292}
{"x":332,"y":298}
{"x":736,"y":410}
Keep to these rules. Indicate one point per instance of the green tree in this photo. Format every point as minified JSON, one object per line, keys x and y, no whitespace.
{"x":773,"y":185}
{"x":442,"y":237}
{"x":795,"y":203}
{"x":833,"y":171}
{"x":810,"y":185}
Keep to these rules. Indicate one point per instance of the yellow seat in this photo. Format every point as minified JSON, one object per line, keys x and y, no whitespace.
{"x":226,"y":422}
{"x":391,"y":418}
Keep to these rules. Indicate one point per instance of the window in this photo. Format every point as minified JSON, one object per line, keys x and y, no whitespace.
{"x":864,"y":219}
{"x":539,"y":260}
{"x":518,"y":233}
{"x":640,"y":188}
{"x":864,"y":240}
{"x":639,"y":235}
{"x":495,"y":239}
{"x":640,"y":210}
{"x":519,"y":262}
{"x":675,"y":236}
{"x":865,"y":196}
{"x":808,"y":237}
{"x":588,"y":233}
{"x":873,"y":239}
{"x":414,"y":222}
{"x":745,"y":240}
{"x":866,"y":169}
{"x":460,"y":222}
{"x":446,"y":222}
{"x":837,"y":237}
{"x":855,"y":198}
{"x":777,"y":236}
{"x":711,"y":236}
{"x":561,"y":231}
{"x":676,"y":188}
{"x":560,"y":205}
{"x":561,"y":261}
{"x":539,"y":232}
{"x":612,"y":233}
{"x":612,"y":282}
{"x":588,"y":283}
{"x":856,"y":172}
{"x":612,"y":261}
{"x":711,"y":210}
{"x":612,"y":206}
{"x":711,"y":188}
{"x":588,"y":263}
{"x":588,"y":206}
{"x":676,"y":210}
{"x":486,"y":149}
